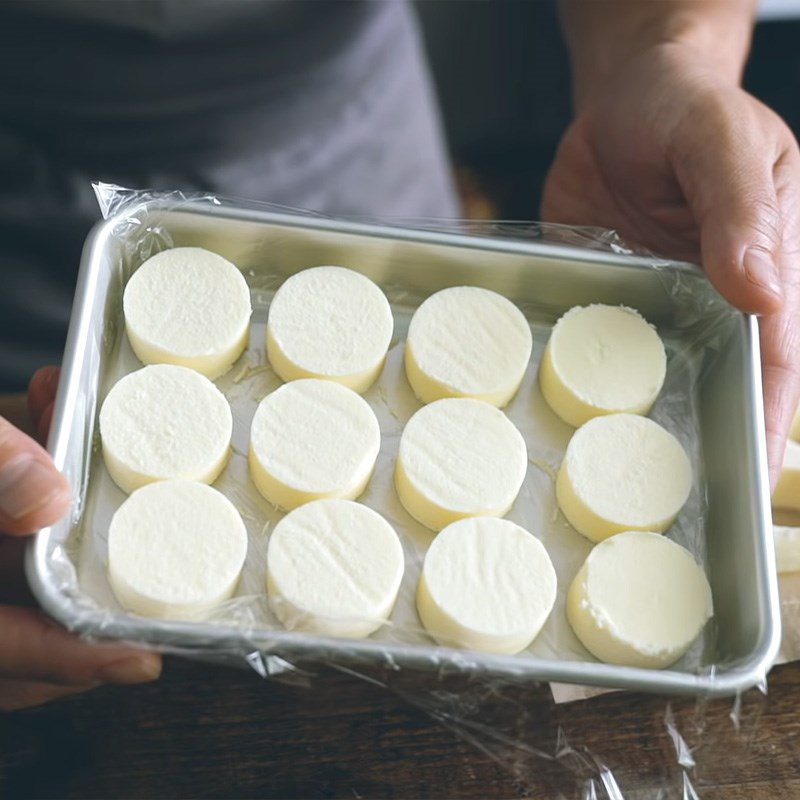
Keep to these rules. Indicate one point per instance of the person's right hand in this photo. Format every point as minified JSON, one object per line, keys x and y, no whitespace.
{"x":679,"y":158}
{"x":39,"y":660}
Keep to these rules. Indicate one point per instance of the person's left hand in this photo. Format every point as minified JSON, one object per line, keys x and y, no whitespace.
{"x":39,"y":660}
{"x":686,"y":163}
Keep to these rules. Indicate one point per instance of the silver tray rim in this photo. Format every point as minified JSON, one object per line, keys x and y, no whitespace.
{"x":199,"y":639}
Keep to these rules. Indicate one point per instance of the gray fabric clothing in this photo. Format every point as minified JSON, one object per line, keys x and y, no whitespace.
{"x":326,"y":106}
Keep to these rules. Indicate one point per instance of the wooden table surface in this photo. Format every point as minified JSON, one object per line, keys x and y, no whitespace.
{"x":206,"y":731}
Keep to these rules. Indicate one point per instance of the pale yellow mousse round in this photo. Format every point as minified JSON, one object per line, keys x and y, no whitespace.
{"x":176,"y":550}
{"x":311,"y":439}
{"x":190,"y":307}
{"x":467,"y":342}
{"x":334,"y":568}
{"x":622,"y":472}
{"x":601,"y":360}
{"x":330,"y":323}
{"x":787,"y":548}
{"x":459,"y":458}
{"x":487,"y":584}
{"x":787,"y":490}
{"x":639,"y":600}
{"x":164,"y":422}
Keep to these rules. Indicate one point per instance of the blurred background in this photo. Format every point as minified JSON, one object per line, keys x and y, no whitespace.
{"x":92,"y":90}
{"x":502,"y":74}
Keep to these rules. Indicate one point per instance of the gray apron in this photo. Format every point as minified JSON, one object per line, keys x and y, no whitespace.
{"x":325,"y":106}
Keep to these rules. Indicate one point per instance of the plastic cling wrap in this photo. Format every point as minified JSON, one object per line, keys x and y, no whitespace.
{"x":544,"y":270}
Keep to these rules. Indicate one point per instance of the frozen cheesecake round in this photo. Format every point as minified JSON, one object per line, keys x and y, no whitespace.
{"x":467,"y":342}
{"x":188,"y":306}
{"x":164,"y":422}
{"x":334,"y":568}
{"x":486,"y":584}
{"x":459,"y":458}
{"x":330,"y":323}
{"x":601,"y":360}
{"x":639,"y":600}
{"x":175,"y":550}
{"x":787,"y":548}
{"x":311,"y":439}
{"x":787,"y":490}
{"x":622,"y":472}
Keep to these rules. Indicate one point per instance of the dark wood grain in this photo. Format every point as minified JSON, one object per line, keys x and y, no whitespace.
{"x":213,"y":732}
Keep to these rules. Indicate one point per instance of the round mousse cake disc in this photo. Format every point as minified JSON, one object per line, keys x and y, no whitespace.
{"x":486,"y":584}
{"x":467,"y":342}
{"x":334,"y":568}
{"x":459,"y":458}
{"x":787,"y":490}
{"x":639,"y":600}
{"x":602,"y":360}
{"x":312,"y":439}
{"x":330,"y":323}
{"x":795,"y":431}
{"x":188,"y":306}
{"x":622,"y":472}
{"x":164,"y":422}
{"x":175,"y":550}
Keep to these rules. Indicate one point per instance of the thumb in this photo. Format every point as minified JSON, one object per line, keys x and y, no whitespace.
{"x":730,"y":188}
{"x":32,"y":492}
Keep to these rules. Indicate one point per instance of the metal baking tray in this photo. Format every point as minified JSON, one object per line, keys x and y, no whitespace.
{"x":714,"y":405}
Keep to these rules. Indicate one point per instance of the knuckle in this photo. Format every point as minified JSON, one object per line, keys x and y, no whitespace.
{"x":782,"y":347}
{"x":27,"y":649}
{"x":766,"y":222}
{"x":781,"y":375}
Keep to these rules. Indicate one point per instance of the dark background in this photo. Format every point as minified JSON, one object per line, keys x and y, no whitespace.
{"x":503,"y":78}
{"x":503,"y":81}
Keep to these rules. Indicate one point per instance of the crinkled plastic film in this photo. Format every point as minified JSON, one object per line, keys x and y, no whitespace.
{"x":488,"y":710}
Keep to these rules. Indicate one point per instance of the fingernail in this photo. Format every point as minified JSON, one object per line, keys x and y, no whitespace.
{"x":129,"y":670}
{"x":760,"y":269}
{"x":26,"y":485}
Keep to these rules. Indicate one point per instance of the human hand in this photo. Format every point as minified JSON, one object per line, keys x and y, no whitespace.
{"x":39,"y":660}
{"x":676,"y":157}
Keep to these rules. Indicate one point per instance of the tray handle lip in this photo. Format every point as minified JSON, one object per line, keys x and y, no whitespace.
{"x":766,"y":651}
{"x":183,"y":639}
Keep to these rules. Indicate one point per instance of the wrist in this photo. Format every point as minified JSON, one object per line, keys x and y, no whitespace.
{"x":606,"y":40}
